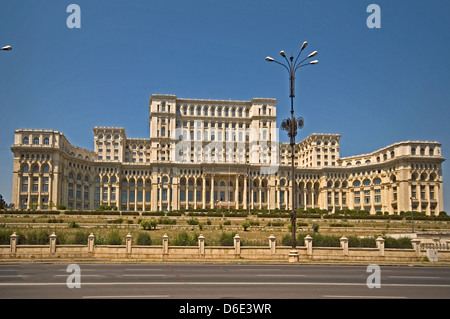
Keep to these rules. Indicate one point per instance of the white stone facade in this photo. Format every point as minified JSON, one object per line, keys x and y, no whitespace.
{"x":220,"y":154}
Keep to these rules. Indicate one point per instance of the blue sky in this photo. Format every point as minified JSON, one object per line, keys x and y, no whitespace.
{"x":375,"y":87}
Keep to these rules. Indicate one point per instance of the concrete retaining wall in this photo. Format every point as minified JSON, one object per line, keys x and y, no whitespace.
{"x":200,"y":252}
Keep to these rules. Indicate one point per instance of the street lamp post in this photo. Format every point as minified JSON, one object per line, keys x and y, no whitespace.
{"x":291,"y":124}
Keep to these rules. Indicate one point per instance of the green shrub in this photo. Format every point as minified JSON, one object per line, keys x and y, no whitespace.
{"x":80,"y":237}
{"x":354,"y":241}
{"x":287,"y":240}
{"x":5,"y":237}
{"x":183,"y":239}
{"x":114,"y":238}
{"x":143,"y":239}
{"x":148,"y":224}
{"x":226,"y":239}
{"x":192,"y":221}
{"x":73,"y":224}
{"x":397,"y":243}
{"x":40,"y":237}
{"x":246,"y":225}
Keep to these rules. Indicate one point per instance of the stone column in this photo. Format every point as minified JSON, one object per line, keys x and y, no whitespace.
{"x":201,"y":245}
{"x":244,"y":195}
{"x":53,"y":238}
{"x":344,"y":244}
{"x":308,"y":244}
{"x":13,"y":243}
{"x":416,"y":245}
{"x":237,"y":245}
{"x":204,"y":192}
{"x":91,"y":243}
{"x":272,"y":244}
{"x":236,"y":193}
{"x":380,"y":245}
{"x":165,"y":244}
{"x":128,"y":241}
{"x":211,"y":196}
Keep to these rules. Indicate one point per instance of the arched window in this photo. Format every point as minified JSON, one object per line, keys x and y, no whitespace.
{"x":165,"y":180}
{"x":26,"y":140}
{"x":366,"y":182}
{"x":36,"y":140}
{"x":105,"y":179}
{"x":356,"y":184}
{"x":25,"y":168}
{"x":377,"y":181}
{"x":71,"y":175}
{"x":46,"y":141}
{"x":113,"y":179}
{"x":222,"y":183}
{"x":413,"y":151}
{"x":282,"y":182}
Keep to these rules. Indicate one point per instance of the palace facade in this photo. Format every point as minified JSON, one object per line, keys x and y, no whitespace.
{"x":220,"y":154}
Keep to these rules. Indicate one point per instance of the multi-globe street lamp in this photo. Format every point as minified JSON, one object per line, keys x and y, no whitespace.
{"x":291,"y":124}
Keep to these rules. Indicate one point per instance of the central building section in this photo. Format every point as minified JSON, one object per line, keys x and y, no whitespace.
{"x":205,"y":150}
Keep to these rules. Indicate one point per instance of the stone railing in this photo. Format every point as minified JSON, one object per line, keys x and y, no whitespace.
{"x":272,"y":252}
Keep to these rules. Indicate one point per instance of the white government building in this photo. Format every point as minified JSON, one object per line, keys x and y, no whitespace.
{"x":205,"y":154}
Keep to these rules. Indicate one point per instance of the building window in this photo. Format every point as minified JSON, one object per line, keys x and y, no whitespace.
{"x":377,"y":199}
{"x":26,"y":140}
{"x":36,"y":141}
{"x":46,"y":141}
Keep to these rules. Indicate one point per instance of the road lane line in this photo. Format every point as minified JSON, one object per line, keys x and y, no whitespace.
{"x":218,"y":283}
{"x":121,"y":297}
{"x":276,"y":275}
{"x":414,"y":277}
{"x":364,"y":297}
{"x":143,"y":275}
{"x":82,"y":275}
{"x":143,"y":269}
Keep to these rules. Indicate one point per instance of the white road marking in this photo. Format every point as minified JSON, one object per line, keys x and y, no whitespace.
{"x":414,"y":277}
{"x":219,"y":283}
{"x":121,"y":297}
{"x":364,"y":297}
{"x":141,"y":269}
{"x":143,"y":275}
{"x":276,"y":275}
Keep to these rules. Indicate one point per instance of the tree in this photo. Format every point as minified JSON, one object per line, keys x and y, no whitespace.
{"x":3,"y":204}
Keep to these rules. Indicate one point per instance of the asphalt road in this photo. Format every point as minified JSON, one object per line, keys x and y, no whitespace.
{"x":207,"y":281}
